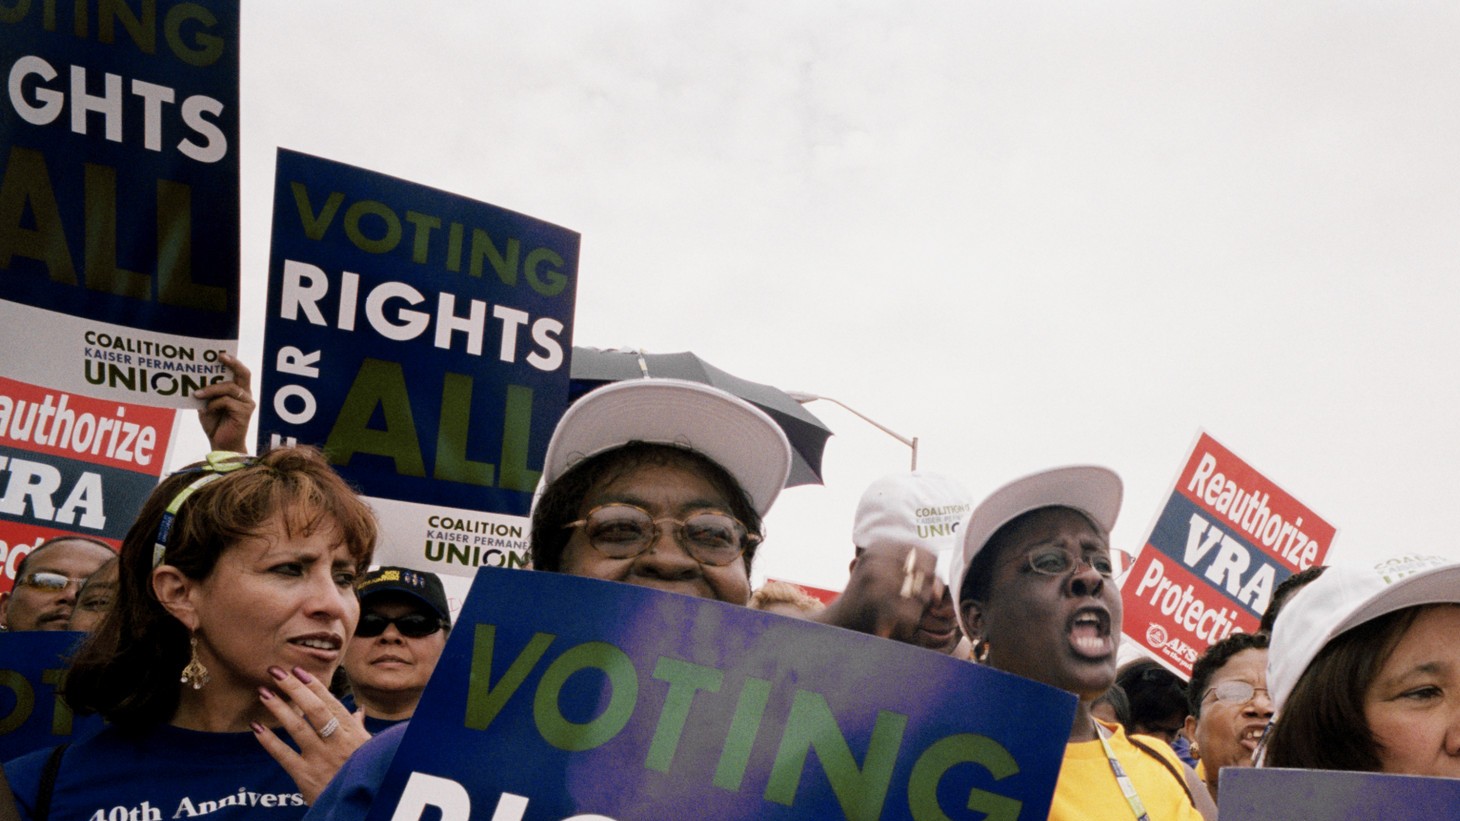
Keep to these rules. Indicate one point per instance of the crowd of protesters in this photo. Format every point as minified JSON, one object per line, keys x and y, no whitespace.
{"x":244,"y":654}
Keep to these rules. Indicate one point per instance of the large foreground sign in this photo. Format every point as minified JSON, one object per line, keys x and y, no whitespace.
{"x":119,"y":211}
{"x":564,"y":697}
{"x":422,"y":339}
{"x":1224,"y":539}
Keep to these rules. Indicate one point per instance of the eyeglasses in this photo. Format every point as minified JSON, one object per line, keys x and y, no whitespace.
{"x":49,"y":582}
{"x":1235,"y":692}
{"x":1057,"y":561}
{"x":622,"y":531}
{"x":410,"y":625}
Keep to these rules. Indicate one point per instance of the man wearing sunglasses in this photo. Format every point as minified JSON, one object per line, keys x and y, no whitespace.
{"x":47,"y":581}
{"x":404,"y":620}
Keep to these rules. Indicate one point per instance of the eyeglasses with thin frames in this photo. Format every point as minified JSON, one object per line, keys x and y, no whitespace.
{"x":1235,"y":692}
{"x":623,"y":531}
{"x":49,"y":582}
{"x":1053,"y":560}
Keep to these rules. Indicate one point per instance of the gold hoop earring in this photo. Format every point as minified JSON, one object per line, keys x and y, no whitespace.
{"x":981,"y":652}
{"x":195,"y":674}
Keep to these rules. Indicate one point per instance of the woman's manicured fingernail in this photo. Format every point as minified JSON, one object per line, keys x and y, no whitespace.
{"x":278,"y":673}
{"x":257,"y":727}
{"x":266,"y":694}
{"x":302,"y":676}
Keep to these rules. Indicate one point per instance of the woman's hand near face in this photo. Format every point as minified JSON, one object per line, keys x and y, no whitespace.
{"x":891,"y":586}
{"x":326,"y":732}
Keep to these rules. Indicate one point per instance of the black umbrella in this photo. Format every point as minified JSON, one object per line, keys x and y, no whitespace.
{"x":595,"y":367}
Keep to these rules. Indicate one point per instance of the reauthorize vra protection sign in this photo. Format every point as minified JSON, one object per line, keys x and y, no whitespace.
{"x":1225,"y":538}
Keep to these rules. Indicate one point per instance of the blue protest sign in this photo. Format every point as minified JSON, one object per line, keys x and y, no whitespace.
{"x":422,"y":339}
{"x":559,"y":696}
{"x":119,"y":209}
{"x":1266,"y":794}
{"x":32,"y":714}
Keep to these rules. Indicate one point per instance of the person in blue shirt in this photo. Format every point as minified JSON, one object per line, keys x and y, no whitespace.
{"x":404,"y":622}
{"x":235,"y":600}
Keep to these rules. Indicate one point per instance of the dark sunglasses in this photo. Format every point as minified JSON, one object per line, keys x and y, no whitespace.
{"x":410,"y":625}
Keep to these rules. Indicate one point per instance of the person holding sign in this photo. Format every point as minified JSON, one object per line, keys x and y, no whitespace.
{"x":1364,"y":670}
{"x":1036,"y":597}
{"x":663,"y":483}
{"x":235,"y":602}
{"x":227,"y":407}
{"x":922,"y":509}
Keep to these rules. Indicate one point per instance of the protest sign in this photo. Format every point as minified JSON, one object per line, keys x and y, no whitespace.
{"x":1226,"y":536}
{"x":119,"y":210}
{"x":1329,"y":795}
{"x":70,"y":464}
{"x":32,"y":714}
{"x":420,"y":338}
{"x":558,"y":695}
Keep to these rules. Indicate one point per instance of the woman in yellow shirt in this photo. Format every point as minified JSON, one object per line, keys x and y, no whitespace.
{"x":1036,"y":597}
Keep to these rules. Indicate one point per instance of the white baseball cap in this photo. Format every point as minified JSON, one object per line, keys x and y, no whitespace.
{"x":923,"y":509}
{"x":731,"y":432}
{"x":1344,"y":597}
{"x":1093,"y":491}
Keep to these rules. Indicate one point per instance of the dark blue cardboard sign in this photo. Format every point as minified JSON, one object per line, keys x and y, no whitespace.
{"x":421,"y":337}
{"x":119,"y":167}
{"x":560,"y":696}
{"x":1266,"y":794}
{"x":32,"y":714}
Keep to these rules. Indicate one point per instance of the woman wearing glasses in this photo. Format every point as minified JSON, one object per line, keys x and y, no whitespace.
{"x":1037,"y":597}
{"x":1229,"y":704}
{"x":663,"y":483}
{"x":404,"y":621}
{"x":235,"y":601}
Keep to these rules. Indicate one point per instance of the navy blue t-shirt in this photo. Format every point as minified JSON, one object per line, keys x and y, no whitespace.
{"x":167,"y":772}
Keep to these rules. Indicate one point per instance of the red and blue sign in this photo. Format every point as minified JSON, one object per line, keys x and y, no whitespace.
{"x":1225,"y":538}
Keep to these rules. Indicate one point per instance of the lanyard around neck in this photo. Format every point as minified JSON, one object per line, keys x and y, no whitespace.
{"x":1126,"y":787}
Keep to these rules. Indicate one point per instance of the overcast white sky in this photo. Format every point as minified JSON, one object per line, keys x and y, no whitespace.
{"x":1028,"y":233}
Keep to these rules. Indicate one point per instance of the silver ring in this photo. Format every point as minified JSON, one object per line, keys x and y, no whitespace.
{"x":329,"y":728}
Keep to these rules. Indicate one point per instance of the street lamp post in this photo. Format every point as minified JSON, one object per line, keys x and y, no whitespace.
{"x":803,"y":398}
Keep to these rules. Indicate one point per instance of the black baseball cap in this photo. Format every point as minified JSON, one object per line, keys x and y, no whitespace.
{"x":419,"y":584}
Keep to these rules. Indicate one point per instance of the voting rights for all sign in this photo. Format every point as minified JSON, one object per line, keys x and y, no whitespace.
{"x":119,"y":208}
{"x":421,"y":338}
